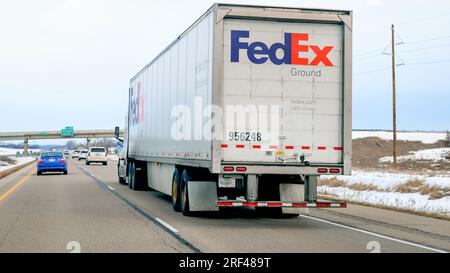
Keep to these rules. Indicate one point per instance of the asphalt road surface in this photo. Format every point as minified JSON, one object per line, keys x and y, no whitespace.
{"x":89,"y":211}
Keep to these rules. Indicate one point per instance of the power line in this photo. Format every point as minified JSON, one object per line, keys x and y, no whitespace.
{"x":373,"y":71}
{"x":405,"y":64}
{"x":427,"y":40}
{"x":432,"y":62}
{"x":424,"y":48}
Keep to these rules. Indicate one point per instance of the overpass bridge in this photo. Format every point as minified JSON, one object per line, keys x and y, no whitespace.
{"x":87,"y":134}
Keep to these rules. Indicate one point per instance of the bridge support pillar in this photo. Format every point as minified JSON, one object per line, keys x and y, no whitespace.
{"x":25,"y":146}
{"x":88,"y":142}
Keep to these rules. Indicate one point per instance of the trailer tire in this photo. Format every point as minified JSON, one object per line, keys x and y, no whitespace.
{"x":122,"y":180}
{"x":176,"y":203}
{"x":185,"y":194}
{"x":131,"y":175}
{"x":140,"y":176}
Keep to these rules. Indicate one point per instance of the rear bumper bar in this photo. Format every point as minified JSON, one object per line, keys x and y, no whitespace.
{"x":292,"y":204}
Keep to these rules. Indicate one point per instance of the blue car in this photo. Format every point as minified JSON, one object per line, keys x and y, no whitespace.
{"x":51,"y":162}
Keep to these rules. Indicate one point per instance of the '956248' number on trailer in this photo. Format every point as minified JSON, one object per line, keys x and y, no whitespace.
{"x":244,"y":136}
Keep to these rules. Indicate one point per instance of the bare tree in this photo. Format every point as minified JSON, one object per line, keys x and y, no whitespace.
{"x":104,"y":142}
{"x":72,"y":144}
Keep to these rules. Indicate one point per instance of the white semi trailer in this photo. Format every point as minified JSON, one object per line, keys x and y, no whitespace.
{"x":247,"y":107}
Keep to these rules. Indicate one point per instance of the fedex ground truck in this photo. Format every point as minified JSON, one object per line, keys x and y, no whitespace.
{"x":246,"y":108}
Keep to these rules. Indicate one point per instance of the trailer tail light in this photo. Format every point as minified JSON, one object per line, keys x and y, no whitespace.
{"x":40,"y":161}
{"x":241,"y":169}
{"x":228,"y":169}
{"x":334,"y":170}
{"x":322,"y":170}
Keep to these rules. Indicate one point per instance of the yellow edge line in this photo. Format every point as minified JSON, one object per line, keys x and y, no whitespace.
{"x":16,"y":186}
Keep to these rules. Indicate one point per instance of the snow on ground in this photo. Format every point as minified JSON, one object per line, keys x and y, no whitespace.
{"x":387,"y":193}
{"x":10,"y":151}
{"x":19,"y":161}
{"x":425,"y":137}
{"x":428,"y":154}
{"x":409,"y":201}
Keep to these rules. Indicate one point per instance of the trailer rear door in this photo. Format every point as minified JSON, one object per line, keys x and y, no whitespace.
{"x":291,"y":73}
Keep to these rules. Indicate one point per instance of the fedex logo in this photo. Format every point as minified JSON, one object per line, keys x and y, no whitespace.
{"x":137,"y":105}
{"x":294,"y":45}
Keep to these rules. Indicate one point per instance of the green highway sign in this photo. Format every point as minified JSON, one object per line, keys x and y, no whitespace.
{"x":67,"y":132}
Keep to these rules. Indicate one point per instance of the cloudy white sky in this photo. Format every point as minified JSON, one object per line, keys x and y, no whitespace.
{"x":68,"y":62}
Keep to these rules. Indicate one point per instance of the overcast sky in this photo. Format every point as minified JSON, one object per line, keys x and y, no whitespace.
{"x":68,"y":62}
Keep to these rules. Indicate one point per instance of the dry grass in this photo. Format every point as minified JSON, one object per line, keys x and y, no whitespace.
{"x":417,"y":185}
{"x":363,"y":187}
{"x":411,"y":186}
{"x":331,"y":182}
{"x":435,"y":192}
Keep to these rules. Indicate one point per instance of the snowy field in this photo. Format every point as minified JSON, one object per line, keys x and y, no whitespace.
{"x":433,"y":155}
{"x":421,"y":193}
{"x":424,"y":191}
{"x":9,"y":151}
{"x":425,"y":137}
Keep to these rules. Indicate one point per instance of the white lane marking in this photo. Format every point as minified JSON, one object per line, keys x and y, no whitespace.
{"x":171,"y":228}
{"x":111,"y":188}
{"x":373,"y":234}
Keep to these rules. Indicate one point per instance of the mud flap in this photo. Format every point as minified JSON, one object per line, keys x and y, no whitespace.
{"x":202,"y":196}
{"x":291,"y":192}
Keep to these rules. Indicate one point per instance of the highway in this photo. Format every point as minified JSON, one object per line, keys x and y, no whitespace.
{"x":88,"y":208}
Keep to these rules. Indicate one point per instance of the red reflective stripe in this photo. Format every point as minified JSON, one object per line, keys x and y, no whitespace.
{"x":250,"y":204}
{"x":224,"y":145}
{"x":343,"y":205}
{"x":225,"y":204}
{"x":338,"y":148}
{"x":273,"y":204}
{"x":273,"y":147}
{"x":321,"y":148}
{"x":240,"y":146}
{"x":299,"y":204}
{"x":289,"y":147}
{"x":305,"y":147}
{"x":256,"y":146}
{"x":322,"y":205}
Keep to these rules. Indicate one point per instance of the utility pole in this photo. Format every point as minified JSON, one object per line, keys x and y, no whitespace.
{"x":394,"y":110}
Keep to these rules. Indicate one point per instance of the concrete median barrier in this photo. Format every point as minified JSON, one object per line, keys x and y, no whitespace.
{"x":15,"y":168}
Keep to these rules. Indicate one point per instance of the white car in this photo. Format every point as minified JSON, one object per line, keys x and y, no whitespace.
{"x":97,"y":155}
{"x":75,"y":154}
{"x":82,"y":154}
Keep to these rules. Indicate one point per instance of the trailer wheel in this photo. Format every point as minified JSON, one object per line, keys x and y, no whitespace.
{"x":176,"y":191}
{"x":140,"y":176}
{"x":122,"y":180}
{"x":185,"y":194}
{"x":131,"y":175}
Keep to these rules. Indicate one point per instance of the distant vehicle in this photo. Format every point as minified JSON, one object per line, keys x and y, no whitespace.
{"x":51,"y":162}
{"x":97,"y":155}
{"x":66,"y":153}
{"x":82,"y":154}
{"x":75,"y":154}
